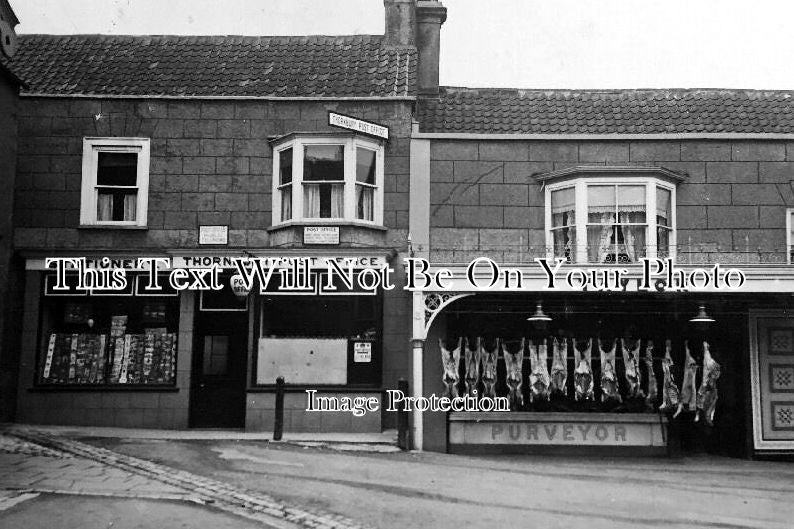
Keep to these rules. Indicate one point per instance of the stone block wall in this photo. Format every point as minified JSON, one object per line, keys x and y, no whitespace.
{"x":260,"y":414}
{"x":9,"y":305}
{"x":210,"y":164}
{"x":733,"y":203}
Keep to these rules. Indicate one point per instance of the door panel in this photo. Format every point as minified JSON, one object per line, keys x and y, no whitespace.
{"x":217,"y":395}
{"x":774,"y":384}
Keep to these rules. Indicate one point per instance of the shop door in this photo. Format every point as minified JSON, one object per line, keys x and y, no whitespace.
{"x":773,"y":384}
{"x":217,"y":395}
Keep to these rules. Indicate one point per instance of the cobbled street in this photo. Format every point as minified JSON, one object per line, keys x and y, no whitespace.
{"x":129,"y":482}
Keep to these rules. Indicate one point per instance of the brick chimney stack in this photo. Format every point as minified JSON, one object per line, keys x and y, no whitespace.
{"x":430,"y":14}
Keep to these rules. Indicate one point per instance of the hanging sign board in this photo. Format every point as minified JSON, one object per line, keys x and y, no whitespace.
{"x":321,"y":235}
{"x":213,"y":235}
{"x":358,"y":125}
{"x":362,"y":351}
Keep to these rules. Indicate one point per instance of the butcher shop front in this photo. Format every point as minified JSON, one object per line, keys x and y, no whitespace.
{"x":612,"y":373}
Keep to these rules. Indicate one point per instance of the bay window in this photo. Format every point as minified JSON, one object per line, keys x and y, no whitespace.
{"x":324,"y":179}
{"x":606,"y":214}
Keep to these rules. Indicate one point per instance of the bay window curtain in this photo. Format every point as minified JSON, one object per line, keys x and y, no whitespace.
{"x":365,"y":202}
{"x":286,"y":203}
{"x":563,"y":222}
{"x":631,"y":217}
{"x":601,"y":207}
{"x":311,"y":200}
{"x":337,"y":201}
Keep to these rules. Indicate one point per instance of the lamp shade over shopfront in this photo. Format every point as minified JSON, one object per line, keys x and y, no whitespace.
{"x":539,"y":317}
{"x":702,"y":316}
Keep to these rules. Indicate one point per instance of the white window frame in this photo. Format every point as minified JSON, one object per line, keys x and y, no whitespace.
{"x":350,"y":144}
{"x":89,"y":195}
{"x":580,"y":184}
{"x":789,"y":241}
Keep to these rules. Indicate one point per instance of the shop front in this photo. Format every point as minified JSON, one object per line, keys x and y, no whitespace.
{"x":203,"y":357}
{"x":627,"y":372}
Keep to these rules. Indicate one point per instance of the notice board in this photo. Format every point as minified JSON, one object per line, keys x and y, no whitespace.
{"x":302,"y":360}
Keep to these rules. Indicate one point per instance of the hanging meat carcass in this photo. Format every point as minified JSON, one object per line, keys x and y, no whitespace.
{"x":609,"y":376}
{"x":472,"y":360}
{"x":631,"y":364}
{"x":559,"y":368}
{"x":671,"y":396}
{"x":514,"y":363}
{"x":539,"y":380}
{"x":489,"y":369}
{"x":653,"y":389}
{"x":688,"y":401}
{"x":707,"y":394}
{"x":451,"y":363}
{"x":583,"y":372}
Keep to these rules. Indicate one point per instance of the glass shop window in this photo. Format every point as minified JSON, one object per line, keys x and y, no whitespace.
{"x":108,"y":340}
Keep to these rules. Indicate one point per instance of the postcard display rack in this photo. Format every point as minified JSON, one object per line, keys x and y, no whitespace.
{"x":115,"y":358}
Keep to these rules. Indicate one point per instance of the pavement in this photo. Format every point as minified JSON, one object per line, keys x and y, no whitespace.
{"x":341,"y":484}
{"x":41,"y":472}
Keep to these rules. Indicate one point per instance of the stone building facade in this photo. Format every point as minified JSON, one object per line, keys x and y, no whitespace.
{"x":203,"y":117}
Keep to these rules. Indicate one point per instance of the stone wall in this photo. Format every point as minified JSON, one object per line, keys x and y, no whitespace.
{"x":210,"y":164}
{"x":8,"y":301}
{"x":484,"y":201}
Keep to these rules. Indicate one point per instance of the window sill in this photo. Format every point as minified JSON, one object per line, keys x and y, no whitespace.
{"x":103,"y":387}
{"x":302,"y":388}
{"x":326,"y":222}
{"x":110,"y":227}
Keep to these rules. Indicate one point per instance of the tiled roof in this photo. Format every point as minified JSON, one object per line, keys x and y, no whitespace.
{"x":504,"y":111}
{"x":315,"y":66}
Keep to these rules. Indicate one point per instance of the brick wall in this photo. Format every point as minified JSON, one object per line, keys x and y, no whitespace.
{"x":483,"y":197}
{"x":211,"y":164}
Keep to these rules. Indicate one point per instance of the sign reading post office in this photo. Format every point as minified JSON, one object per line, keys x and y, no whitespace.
{"x":358,"y":125}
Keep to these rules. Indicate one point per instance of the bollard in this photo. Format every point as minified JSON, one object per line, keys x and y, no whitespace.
{"x":403,"y":424}
{"x":278,"y":428}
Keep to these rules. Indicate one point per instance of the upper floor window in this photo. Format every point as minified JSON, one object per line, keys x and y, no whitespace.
{"x":610,"y":214}
{"x":327,"y":178}
{"x":115,"y":181}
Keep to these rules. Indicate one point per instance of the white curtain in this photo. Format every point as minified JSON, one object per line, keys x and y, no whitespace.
{"x":286,"y":203}
{"x":337,"y":201}
{"x":104,"y":209}
{"x":364,"y":200}
{"x":130,"y":206}
{"x":311,"y":200}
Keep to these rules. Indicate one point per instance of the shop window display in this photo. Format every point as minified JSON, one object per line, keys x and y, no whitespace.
{"x":590,"y":365}
{"x":113,"y":340}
